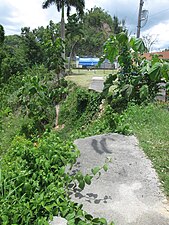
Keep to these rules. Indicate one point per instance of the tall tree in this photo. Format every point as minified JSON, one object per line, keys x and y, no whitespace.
{"x":60,"y":4}
{"x":97,"y":27}
{"x":118,"y":26}
{"x":2,"y":37}
{"x":14,"y":57}
{"x":32,"y":47}
{"x":74,"y":33}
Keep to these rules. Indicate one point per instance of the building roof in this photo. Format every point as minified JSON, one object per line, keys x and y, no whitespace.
{"x":163,"y":55}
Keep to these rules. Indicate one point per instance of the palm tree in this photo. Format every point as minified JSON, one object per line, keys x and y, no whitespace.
{"x":60,"y":4}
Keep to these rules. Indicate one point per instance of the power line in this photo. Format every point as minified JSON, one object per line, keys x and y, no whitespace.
{"x":159,"y":12}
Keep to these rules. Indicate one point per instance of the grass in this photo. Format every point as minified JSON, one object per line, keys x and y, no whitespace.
{"x":151,"y":126}
{"x":83,"y":77}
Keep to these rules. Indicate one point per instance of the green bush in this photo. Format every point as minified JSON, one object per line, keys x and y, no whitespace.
{"x":34,"y":184}
{"x":137,"y":80}
{"x":38,"y":96}
{"x":79,"y":108}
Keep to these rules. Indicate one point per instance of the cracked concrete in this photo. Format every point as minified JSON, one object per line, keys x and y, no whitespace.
{"x":129,"y":193}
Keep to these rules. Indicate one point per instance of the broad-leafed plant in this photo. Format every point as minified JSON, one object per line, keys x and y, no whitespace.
{"x":137,"y":79}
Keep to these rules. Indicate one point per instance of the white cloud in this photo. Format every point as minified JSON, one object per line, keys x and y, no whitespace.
{"x":161,"y":32}
{"x":30,"y":13}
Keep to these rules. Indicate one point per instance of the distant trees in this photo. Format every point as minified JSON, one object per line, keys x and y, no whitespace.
{"x":14,"y":60}
{"x":85,"y":36}
{"x":32,"y":47}
{"x":74,"y":33}
{"x":118,"y":26}
{"x":2,"y":37}
{"x":97,"y":26}
{"x":60,"y":4}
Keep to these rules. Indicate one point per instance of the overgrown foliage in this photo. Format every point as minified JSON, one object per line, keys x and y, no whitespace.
{"x":34,"y":184}
{"x":32,"y":96}
{"x":36,"y":47}
{"x":137,"y":79}
{"x":14,"y":59}
{"x":34,"y":177}
{"x":85,"y":113}
{"x":2,"y":37}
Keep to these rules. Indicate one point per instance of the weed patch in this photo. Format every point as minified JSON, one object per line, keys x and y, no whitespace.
{"x":150,"y":124}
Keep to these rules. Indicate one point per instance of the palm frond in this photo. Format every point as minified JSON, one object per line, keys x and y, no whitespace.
{"x":47,"y":3}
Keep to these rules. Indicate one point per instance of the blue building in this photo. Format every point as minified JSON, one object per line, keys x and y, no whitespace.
{"x":90,"y":62}
{"x":87,"y":62}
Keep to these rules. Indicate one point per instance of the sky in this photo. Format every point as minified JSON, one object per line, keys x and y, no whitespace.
{"x":15,"y":14}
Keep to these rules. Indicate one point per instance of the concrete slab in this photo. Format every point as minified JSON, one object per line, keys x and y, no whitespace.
{"x":129,"y":192}
{"x":97,"y":84}
{"x":58,"y":221}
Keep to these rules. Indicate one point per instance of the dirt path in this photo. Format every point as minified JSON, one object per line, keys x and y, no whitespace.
{"x":129,"y":192}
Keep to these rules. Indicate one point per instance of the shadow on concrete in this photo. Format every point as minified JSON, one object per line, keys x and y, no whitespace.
{"x":100,"y":146}
{"x":89,"y":197}
{"x":76,"y":168}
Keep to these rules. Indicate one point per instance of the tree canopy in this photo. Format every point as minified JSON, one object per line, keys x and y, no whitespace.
{"x":95,"y":26}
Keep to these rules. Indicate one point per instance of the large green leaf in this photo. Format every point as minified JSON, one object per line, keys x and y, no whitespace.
{"x":88,"y":217}
{"x":155,"y":59}
{"x":108,"y":83}
{"x":167,"y":86}
{"x":88,"y":179}
{"x":137,"y":44}
{"x":165,"y":71}
{"x":144,"y":91}
{"x":105,"y":167}
{"x":122,"y":38}
{"x":103,"y":221}
{"x":81,"y":184}
{"x":155,"y":71}
{"x":70,"y":216}
{"x":81,"y":223}
{"x":127,"y":90}
{"x":111,"y":49}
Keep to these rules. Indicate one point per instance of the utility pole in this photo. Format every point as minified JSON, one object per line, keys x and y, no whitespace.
{"x":139,"y":18}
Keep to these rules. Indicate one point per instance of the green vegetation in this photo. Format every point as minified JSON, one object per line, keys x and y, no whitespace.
{"x":34,"y":153}
{"x":89,"y":33}
{"x":22,"y":52}
{"x":150,"y":124}
{"x":85,"y":113}
{"x":138,"y":79}
{"x":34,"y":184}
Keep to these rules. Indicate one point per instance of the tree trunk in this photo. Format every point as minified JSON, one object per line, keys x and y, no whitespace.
{"x":70,"y":57}
{"x":63,"y":31}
